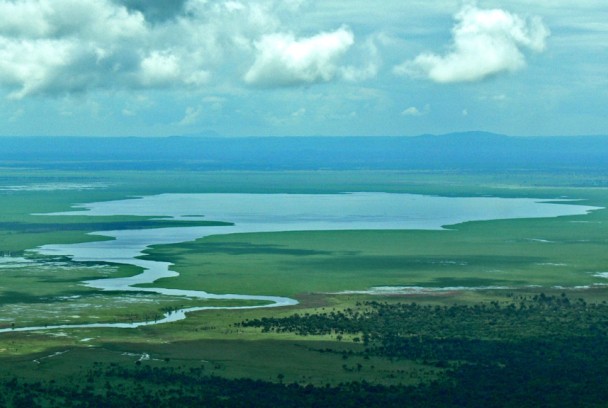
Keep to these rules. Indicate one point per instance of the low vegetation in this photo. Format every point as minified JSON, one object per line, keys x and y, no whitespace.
{"x":532,"y":344}
{"x":521,"y":350}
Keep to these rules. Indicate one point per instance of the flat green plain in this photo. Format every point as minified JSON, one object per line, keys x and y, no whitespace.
{"x":526,"y":256}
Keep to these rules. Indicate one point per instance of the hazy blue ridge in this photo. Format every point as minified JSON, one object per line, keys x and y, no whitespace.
{"x":464,"y":151}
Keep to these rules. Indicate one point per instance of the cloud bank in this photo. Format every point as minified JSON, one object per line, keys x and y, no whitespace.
{"x":485,"y":43}
{"x":54,"y":47}
{"x":58,"y":47}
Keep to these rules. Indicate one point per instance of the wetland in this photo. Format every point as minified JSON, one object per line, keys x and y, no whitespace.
{"x":260,"y":213}
{"x":378,"y":310}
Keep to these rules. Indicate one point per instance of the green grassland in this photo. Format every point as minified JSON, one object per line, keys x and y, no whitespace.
{"x":506,"y":253}
{"x":529,"y":256}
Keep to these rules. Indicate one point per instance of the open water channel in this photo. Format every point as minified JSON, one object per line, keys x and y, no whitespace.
{"x":269,"y":213}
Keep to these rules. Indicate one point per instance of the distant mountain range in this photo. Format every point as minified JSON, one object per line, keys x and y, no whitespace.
{"x":458,"y":151}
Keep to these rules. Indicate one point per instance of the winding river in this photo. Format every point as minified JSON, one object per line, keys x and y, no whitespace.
{"x":268,"y":213}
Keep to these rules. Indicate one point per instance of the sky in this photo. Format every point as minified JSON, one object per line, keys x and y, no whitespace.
{"x":302,"y":67}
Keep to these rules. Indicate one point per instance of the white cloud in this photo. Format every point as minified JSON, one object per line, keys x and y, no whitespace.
{"x":34,"y":65}
{"x":59,"y":46}
{"x":24,"y":19}
{"x":414,"y":111}
{"x":159,"y":68}
{"x":485,"y":42}
{"x":54,"y":47}
{"x":283,"y":60}
{"x":411,"y":111}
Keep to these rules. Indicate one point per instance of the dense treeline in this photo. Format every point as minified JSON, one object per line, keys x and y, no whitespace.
{"x":551,"y":379}
{"x":540,"y":351}
{"x":522,"y":317}
{"x":529,"y":351}
{"x":471,"y":386}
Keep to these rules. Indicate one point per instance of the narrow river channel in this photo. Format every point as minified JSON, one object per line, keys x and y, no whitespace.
{"x":268,"y":213}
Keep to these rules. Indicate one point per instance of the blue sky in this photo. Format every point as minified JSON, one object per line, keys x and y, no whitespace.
{"x":302,"y":67}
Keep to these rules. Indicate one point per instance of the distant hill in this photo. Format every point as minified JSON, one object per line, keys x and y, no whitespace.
{"x":458,"y":151}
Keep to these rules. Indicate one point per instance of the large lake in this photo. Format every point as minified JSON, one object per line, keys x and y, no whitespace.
{"x":272,"y":213}
{"x":333,"y":211}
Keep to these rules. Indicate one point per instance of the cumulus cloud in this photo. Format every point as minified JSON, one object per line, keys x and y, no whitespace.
{"x":282,"y":59}
{"x":53,"y":47}
{"x":485,"y":42}
{"x":58,"y":46}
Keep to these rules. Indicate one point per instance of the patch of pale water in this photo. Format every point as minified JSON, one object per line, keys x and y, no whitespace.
{"x":416,"y":290}
{"x":322,"y":211}
{"x":428,"y":290}
{"x":166,"y":318}
{"x":53,"y":187}
{"x":269,"y":213}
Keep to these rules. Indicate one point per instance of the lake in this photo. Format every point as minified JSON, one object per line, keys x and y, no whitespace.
{"x":273,"y":213}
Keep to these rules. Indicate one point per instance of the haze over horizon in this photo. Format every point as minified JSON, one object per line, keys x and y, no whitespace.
{"x":302,"y":67}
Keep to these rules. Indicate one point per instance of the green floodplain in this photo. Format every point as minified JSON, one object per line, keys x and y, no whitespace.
{"x":540,"y":341}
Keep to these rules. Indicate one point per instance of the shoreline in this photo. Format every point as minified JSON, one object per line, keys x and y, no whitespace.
{"x":350,"y":211}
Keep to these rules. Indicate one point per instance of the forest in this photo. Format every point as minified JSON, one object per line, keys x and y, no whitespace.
{"x":513,"y":312}
{"x":526,"y":350}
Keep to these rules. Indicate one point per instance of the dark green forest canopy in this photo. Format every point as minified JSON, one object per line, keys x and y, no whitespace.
{"x":525,"y":351}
